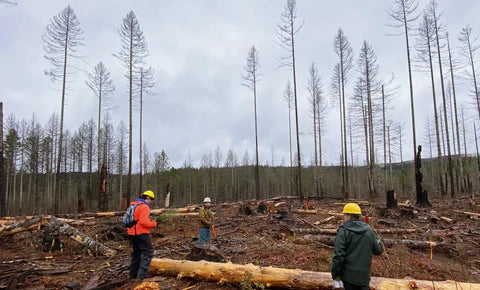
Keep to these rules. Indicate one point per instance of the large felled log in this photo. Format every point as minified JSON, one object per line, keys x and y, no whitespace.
{"x":413,"y":244}
{"x":21,"y":226}
{"x":284,"y":278}
{"x":67,"y":230}
{"x":318,"y":231}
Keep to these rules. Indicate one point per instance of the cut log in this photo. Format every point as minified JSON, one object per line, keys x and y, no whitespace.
{"x":91,"y":244}
{"x":413,"y":244}
{"x":446,"y":219}
{"x":305,"y":211}
{"x":359,"y":202}
{"x":467,"y":213}
{"x":284,"y":278}
{"x":334,"y":231}
{"x":324,"y":221}
{"x":337,"y":214}
{"x":19,"y":227}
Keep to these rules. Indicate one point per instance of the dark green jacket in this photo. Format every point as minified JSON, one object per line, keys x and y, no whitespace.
{"x":355,"y":244}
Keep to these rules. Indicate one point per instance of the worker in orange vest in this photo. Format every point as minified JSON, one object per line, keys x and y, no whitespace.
{"x":139,"y":236}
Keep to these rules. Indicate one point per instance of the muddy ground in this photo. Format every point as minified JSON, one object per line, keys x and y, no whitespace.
{"x":259,"y":239}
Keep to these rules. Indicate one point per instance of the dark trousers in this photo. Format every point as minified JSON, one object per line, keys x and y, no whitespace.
{"x":348,"y":286}
{"x":141,"y":256}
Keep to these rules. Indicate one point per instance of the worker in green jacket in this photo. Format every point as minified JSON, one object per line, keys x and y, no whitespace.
{"x":206,"y":221}
{"x":355,"y":244}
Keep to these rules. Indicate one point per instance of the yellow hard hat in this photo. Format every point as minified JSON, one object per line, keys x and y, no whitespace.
{"x":149,"y":193}
{"x":352,"y":208}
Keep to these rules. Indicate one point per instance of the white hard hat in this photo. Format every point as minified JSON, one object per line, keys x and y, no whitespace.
{"x":207,"y":199}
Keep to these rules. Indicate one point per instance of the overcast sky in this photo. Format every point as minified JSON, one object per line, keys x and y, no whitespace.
{"x":198,"y":50}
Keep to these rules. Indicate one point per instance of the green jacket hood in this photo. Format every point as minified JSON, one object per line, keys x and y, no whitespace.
{"x":356,"y":226}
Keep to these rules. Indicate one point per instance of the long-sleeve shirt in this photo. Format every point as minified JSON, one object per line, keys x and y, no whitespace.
{"x":205,"y":217}
{"x":142,"y":216}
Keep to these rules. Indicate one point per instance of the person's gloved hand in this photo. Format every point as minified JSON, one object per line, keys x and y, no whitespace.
{"x":337,"y":283}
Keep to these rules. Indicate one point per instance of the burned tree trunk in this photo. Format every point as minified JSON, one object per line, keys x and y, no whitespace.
{"x":392,"y":199}
{"x":422,"y":196}
{"x":102,"y":193}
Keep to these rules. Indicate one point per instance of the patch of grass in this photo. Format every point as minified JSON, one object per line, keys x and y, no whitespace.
{"x":246,"y":284}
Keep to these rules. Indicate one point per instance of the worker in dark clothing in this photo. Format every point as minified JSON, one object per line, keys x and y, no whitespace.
{"x":355,"y":244}
{"x":139,"y":236}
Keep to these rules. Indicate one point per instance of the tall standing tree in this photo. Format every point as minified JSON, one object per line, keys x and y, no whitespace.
{"x":132,"y":55}
{"x":286,"y":32}
{"x":426,"y":51}
{"x":369,"y":70}
{"x":102,"y":87}
{"x":315,"y":91}
{"x":402,"y":15}
{"x":289,"y":100}
{"x":3,"y":192}
{"x":468,"y":49}
{"x":121,"y":135}
{"x":438,"y":29}
{"x":345,"y":59}
{"x":452,"y":67}
{"x":321,"y":107}
{"x":250,"y":80}
{"x":336,"y":96}
{"x":62,"y":39}
{"x":144,"y":81}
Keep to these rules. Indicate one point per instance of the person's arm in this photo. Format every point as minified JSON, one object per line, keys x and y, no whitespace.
{"x":144,"y":218}
{"x":377,"y":244}
{"x":202,"y":214}
{"x":339,"y":254}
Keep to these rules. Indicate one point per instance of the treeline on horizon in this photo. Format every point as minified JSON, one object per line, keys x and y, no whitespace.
{"x":51,"y":161}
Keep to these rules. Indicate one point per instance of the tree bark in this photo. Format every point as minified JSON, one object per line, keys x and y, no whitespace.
{"x":391,"y":199}
{"x":283,"y":278}
{"x":73,"y":233}
{"x":21,"y":227}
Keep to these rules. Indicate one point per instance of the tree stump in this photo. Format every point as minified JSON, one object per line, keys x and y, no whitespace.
{"x":392,"y":199}
{"x":422,"y":196}
{"x":205,"y":251}
{"x":262,"y":208}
